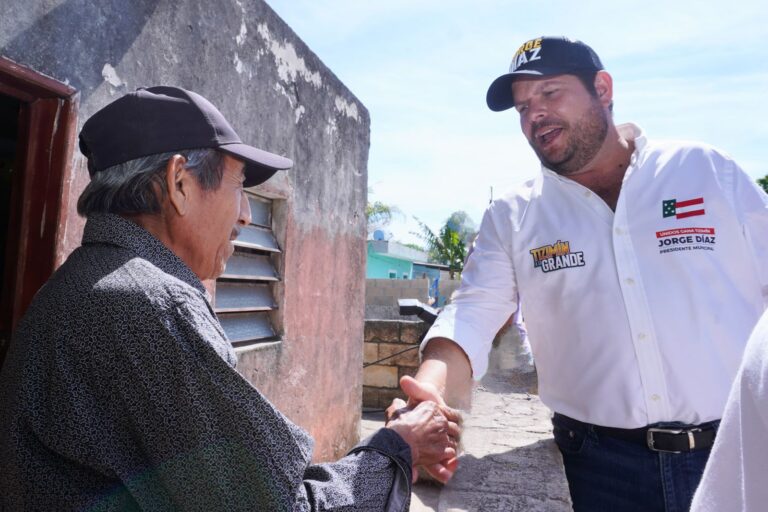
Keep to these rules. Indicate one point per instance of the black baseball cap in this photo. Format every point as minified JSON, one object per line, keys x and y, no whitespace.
{"x":161,"y":119}
{"x":543,"y":56}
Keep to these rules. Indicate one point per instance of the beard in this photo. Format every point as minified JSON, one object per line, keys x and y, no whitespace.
{"x":583,"y":141}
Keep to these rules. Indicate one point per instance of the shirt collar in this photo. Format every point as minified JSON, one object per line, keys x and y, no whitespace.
{"x":628,"y":131}
{"x":108,"y":228}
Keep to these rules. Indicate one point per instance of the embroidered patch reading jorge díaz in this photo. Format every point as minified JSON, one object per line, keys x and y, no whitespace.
{"x":556,"y":257}
{"x":686,"y":239}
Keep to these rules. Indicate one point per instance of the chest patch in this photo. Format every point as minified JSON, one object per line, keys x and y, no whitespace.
{"x":686,"y":239}
{"x":556,"y":256}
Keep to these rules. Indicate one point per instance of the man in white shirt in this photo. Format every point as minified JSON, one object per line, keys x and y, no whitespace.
{"x":643,"y":267}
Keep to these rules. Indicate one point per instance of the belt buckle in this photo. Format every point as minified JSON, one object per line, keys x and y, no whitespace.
{"x":673,"y":431}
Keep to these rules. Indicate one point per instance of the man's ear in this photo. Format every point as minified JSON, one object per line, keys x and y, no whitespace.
{"x":604,"y":88}
{"x":177,"y":183}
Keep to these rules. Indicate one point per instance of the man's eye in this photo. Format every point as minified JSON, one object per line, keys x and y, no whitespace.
{"x":521,"y":108}
{"x":550,"y":92}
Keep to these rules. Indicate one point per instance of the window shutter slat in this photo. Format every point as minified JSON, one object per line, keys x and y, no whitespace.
{"x":245,"y":265}
{"x":247,"y":327}
{"x":261,"y":211}
{"x":254,"y":237}
{"x":243,"y":297}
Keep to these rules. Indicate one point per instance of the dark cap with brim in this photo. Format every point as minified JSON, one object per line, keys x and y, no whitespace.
{"x":164,"y":119}
{"x":542,"y":57}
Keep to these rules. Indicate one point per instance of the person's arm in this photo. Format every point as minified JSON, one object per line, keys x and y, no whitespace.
{"x":456,"y":348}
{"x":444,"y":376}
{"x":165,"y":418}
{"x":377,"y":473}
{"x":483,"y":303}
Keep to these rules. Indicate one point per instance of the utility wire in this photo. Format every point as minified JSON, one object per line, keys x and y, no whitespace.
{"x":390,"y":357}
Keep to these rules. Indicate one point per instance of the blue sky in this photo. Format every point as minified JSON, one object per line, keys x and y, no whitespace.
{"x":685,"y":70}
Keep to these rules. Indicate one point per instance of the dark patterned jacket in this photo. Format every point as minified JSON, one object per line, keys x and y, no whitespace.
{"x":119,"y":393}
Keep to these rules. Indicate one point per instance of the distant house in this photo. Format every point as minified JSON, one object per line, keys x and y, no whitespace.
{"x":391,"y":260}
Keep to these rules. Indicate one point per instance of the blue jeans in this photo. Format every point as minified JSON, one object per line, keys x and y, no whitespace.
{"x":614,"y":475}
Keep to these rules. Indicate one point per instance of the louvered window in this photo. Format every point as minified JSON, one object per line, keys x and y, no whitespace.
{"x":244,"y":293}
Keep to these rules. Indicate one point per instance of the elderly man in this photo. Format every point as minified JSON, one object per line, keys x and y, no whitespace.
{"x":643,"y":266}
{"x":119,"y":390}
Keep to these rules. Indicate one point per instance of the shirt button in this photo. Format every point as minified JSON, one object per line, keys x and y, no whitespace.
{"x":619,"y":231}
{"x":587,"y":193}
{"x":641,"y":336}
{"x":629,"y":281}
{"x":655,"y":397}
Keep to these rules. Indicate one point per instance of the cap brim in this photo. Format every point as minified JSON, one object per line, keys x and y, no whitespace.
{"x":260,"y":165}
{"x":499,"y":96}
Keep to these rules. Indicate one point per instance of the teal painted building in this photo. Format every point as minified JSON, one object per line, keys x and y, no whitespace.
{"x":385,"y":266}
{"x":390,"y":260}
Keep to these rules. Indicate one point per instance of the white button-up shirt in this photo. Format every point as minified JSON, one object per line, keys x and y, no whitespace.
{"x":635,"y":316}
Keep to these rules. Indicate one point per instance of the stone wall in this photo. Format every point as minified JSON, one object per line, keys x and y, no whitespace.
{"x":384,"y":338}
{"x":280,"y":97}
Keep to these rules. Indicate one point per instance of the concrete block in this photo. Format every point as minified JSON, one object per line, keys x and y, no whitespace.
{"x":378,"y":292}
{"x":412,"y":332}
{"x":380,"y":376}
{"x":371,"y":397}
{"x":387,"y":331}
{"x":387,"y":395}
{"x":380,"y":301}
{"x":380,"y":398}
{"x":370,"y":352}
{"x":410,"y":358}
{"x":382,"y":313}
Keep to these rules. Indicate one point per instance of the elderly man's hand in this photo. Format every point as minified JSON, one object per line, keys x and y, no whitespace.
{"x":426,"y":430}
{"x":419,"y":392}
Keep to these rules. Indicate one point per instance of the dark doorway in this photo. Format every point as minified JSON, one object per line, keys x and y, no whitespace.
{"x":38,"y":118}
{"x":9,"y":134}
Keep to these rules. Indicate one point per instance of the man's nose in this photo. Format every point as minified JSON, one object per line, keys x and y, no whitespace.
{"x":245,"y":210}
{"x":537,"y":110}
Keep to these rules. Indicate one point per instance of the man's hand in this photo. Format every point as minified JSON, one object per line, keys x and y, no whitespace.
{"x":424,"y":392}
{"x":418,"y":392}
{"x":425,"y":428}
{"x":444,"y":377}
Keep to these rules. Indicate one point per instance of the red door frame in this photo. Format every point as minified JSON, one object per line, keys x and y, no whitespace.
{"x":47,"y":129}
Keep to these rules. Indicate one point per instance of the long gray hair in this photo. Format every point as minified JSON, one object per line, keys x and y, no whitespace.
{"x":132,"y":187}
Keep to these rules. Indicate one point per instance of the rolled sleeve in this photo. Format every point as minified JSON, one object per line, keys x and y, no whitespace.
{"x":487,"y":296}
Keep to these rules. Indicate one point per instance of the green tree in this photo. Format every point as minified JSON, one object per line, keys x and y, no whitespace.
{"x":763,"y":182}
{"x":378,"y":215}
{"x":460,"y":222}
{"x":446,"y":247}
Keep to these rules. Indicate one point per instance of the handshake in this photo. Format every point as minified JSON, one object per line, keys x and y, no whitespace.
{"x":429,"y":426}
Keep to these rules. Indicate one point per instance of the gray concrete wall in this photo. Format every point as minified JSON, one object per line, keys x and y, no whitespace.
{"x":279,"y":96}
{"x":381,"y":295}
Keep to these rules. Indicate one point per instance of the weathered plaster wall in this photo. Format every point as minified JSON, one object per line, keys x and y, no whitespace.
{"x":279,"y":96}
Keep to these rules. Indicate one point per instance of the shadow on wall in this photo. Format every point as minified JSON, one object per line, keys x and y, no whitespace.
{"x":69,"y":41}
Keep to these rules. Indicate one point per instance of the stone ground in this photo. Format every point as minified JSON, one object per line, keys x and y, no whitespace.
{"x":510,"y":461}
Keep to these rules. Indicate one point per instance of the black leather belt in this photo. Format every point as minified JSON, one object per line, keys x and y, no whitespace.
{"x":686,"y":438}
